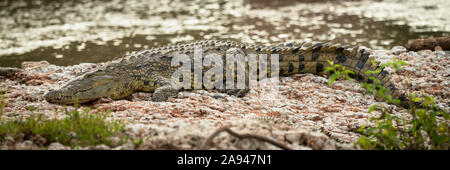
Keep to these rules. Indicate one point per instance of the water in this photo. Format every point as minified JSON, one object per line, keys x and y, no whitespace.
{"x":72,"y":32}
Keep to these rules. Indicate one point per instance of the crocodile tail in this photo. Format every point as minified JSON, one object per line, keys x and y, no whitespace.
{"x":313,"y":58}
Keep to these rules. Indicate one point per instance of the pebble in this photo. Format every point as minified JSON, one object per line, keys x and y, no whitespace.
{"x":128,"y":146}
{"x":57,"y":146}
{"x":398,"y":50}
{"x":25,"y":145}
{"x":8,"y":140}
{"x":101,"y":147}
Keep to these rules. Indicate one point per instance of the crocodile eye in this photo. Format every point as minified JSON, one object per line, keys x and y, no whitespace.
{"x":82,"y":90}
{"x":88,"y":75}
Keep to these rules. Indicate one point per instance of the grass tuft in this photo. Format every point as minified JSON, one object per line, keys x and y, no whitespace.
{"x":76,"y":129}
{"x":3,"y":102}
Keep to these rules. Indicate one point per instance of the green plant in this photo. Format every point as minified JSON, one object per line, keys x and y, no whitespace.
{"x":421,"y":131}
{"x":78,"y":128}
{"x":337,"y":72}
{"x":3,"y":102}
{"x":138,"y":142}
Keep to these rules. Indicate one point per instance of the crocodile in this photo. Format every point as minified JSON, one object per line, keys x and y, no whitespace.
{"x":150,"y":70}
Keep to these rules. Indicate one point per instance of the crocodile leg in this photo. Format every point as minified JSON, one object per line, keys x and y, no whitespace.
{"x":238,"y":92}
{"x":164,"y":90}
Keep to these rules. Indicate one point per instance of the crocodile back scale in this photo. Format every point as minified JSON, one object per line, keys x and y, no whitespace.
{"x":151,"y":70}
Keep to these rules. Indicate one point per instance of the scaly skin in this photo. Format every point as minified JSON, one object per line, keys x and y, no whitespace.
{"x":151,"y":70}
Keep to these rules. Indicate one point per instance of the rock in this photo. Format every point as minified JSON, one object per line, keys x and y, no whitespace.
{"x":398,"y":50}
{"x":33,"y":64}
{"x":39,"y":140}
{"x":218,"y":96}
{"x":292,"y":137}
{"x":114,"y":140}
{"x":420,"y":73}
{"x":313,"y":140}
{"x":56,"y":146}
{"x":3,"y":147}
{"x":8,"y":140}
{"x":135,"y":129}
{"x":25,"y":145}
{"x":101,"y":147}
{"x":127,"y":146}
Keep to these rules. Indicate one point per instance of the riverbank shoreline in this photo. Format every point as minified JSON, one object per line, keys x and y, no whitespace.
{"x":308,"y":109}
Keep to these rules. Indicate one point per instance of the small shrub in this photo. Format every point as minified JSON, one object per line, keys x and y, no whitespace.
{"x":3,"y":102}
{"x":422,"y":131}
{"x":337,"y":72}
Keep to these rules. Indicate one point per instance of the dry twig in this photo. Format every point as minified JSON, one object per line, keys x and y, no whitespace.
{"x":441,"y":43}
{"x":208,"y":141}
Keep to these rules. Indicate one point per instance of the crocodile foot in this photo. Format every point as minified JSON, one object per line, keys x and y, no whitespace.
{"x":161,"y":94}
{"x":236,"y":92}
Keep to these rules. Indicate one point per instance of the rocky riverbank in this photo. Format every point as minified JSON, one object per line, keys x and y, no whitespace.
{"x":307,"y":113}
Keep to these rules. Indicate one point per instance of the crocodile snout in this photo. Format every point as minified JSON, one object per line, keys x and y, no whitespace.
{"x":55,"y":96}
{"x":51,"y":96}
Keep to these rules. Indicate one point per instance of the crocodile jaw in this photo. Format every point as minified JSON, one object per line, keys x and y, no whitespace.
{"x":90,"y":87}
{"x":60,"y":97}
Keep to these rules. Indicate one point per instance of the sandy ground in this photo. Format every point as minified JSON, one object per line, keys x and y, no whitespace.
{"x":305,"y":113}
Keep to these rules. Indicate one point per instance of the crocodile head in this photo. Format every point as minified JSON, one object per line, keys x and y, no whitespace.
{"x":91,"y":86}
